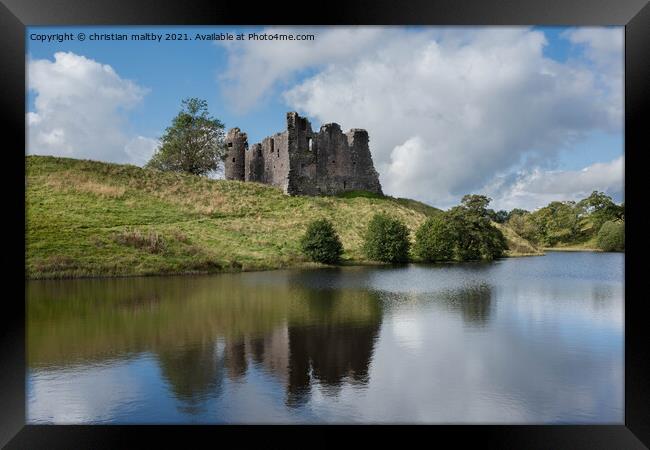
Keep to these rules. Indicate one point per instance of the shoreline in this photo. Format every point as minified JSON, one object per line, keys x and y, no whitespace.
{"x":572,"y":249}
{"x":296,"y":266}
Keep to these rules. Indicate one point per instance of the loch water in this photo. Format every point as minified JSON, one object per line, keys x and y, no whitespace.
{"x":519,"y":340}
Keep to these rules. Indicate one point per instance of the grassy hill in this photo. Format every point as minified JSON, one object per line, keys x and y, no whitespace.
{"x":517,"y":246}
{"x":88,"y":218}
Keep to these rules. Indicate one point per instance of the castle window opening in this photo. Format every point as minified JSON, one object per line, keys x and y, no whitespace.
{"x":233,"y":160}
{"x":229,"y":144}
{"x":309,"y":144}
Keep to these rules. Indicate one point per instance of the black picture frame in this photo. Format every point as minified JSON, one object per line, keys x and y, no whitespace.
{"x":15,"y":15}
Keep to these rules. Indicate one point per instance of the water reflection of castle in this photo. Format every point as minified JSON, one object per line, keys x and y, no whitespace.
{"x":321,"y":350}
{"x":298,"y":357}
{"x":307,"y":332}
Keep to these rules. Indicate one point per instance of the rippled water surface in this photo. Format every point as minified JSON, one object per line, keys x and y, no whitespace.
{"x":526,"y":340}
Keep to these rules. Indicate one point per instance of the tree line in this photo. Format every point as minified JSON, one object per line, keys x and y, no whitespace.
{"x":467,"y":232}
{"x":463,"y":233}
{"x":596,"y":218}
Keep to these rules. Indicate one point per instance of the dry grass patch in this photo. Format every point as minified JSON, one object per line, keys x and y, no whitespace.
{"x":179,"y":236}
{"x":55,"y":263}
{"x":74,"y":182}
{"x":150,"y":241}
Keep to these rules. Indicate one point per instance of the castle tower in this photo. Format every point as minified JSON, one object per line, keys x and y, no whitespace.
{"x":362,"y":170}
{"x":236,"y":145}
{"x":254,"y":168}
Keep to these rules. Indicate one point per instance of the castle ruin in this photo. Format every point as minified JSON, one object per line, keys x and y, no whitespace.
{"x":302,"y":162}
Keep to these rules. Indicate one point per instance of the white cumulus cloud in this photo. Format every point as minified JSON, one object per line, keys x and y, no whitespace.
{"x":534,"y":188}
{"x":79,"y":110}
{"x":449,"y":110}
{"x":255,"y":67}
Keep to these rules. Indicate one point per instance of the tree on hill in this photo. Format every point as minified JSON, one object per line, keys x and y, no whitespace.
{"x":435,"y":239}
{"x":475,"y":236}
{"x":475,"y":204}
{"x":522,"y":224}
{"x":517,"y":212}
{"x":387,"y":239}
{"x":561,"y":223}
{"x":601,"y":208}
{"x":194,"y":143}
{"x":557,"y":222}
{"x":321,"y":243}
{"x":500,"y":216}
{"x":611,"y":236}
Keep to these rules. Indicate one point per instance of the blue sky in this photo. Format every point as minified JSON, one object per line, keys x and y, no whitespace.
{"x":526,"y":115}
{"x":172,"y":70}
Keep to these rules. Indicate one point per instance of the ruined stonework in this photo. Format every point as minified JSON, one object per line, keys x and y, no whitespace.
{"x":236,"y":145}
{"x":302,"y":162}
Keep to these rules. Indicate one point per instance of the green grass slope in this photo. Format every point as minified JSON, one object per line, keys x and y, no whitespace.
{"x":88,"y":218}
{"x":517,"y":246}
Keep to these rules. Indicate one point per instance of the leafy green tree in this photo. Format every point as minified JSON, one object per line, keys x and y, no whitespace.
{"x":517,"y":212}
{"x":557,"y":222}
{"x":321,"y":243}
{"x":386,"y":239}
{"x":500,"y":216}
{"x":435,"y":239}
{"x":474,"y":235}
{"x":493,"y":243}
{"x":611,"y":236}
{"x":623,"y":211}
{"x":476,"y":204}
{"x":524,"y":226}
{"x":601,"y":208}
{"x":521,"y":222}
{"x":194,"y":143}
{"x":566,"y":222}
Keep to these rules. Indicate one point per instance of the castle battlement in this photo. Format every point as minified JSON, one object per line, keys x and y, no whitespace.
{"x":304,"y":162}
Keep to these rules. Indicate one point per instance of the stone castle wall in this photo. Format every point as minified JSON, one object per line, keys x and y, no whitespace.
{"x":236,"y":145}
{"x":303,"y":162}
